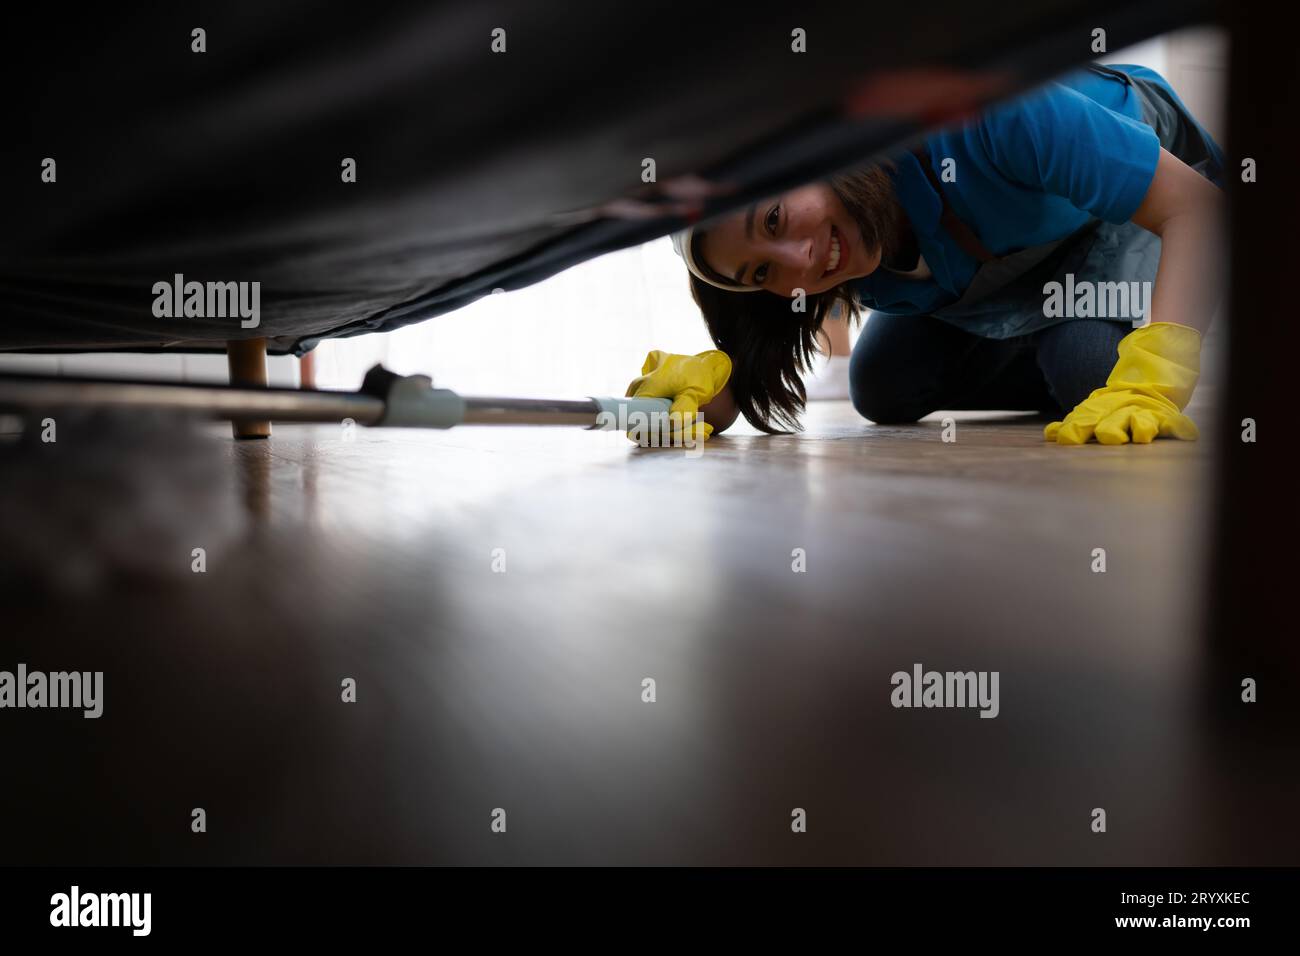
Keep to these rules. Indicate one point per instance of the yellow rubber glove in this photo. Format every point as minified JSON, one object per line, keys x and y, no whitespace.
{"x":689,"y":380}
{"x":1145,"y":394}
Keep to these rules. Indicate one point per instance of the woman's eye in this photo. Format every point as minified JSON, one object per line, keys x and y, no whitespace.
{"x":770,"y":222}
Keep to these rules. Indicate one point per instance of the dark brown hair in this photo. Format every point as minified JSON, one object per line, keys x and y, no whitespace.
{"x":771,"y":346}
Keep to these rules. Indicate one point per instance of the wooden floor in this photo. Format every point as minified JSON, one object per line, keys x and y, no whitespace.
{"x":370,"y":555}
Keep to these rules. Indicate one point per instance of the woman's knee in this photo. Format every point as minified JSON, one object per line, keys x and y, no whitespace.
{"x":875,"y":393}
{"x":1077,"y":357}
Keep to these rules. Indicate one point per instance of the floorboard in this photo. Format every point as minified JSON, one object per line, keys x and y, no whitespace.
{"x":338,"y":553}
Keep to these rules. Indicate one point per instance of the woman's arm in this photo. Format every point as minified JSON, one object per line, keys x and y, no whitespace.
{"x":1159,"y":364}
{"x":721,"y":413}
{"x":1185,"y":210}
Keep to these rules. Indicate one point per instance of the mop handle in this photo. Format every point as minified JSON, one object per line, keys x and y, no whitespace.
{"x":399,"y":401}
{"x":413,"y":401}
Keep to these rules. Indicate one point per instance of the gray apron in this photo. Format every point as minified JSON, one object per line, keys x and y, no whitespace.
{"x":1005,"y":298}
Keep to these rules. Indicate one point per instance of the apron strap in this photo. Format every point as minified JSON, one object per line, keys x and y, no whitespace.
{"x":961,"y":233}
{"x":1102,"y":70}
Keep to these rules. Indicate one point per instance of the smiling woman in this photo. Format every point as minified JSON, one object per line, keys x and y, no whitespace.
{"x":1099,"y":178}
{"x":811,"y":239}
{"x":805,"y":246}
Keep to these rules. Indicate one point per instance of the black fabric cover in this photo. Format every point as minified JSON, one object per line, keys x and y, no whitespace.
{"x":476,"y":170}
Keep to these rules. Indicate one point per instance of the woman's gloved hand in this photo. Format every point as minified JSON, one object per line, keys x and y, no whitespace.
{"x":689,"y":380}
{"x":1145,"y":394}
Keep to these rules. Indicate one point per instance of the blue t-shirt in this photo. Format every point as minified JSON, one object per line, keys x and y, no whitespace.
{"x":1028,"y":172}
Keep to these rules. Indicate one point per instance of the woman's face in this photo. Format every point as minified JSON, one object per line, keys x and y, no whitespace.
{"x":803,"y":239}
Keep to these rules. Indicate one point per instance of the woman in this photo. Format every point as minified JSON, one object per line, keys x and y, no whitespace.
{"x":991,"y":258}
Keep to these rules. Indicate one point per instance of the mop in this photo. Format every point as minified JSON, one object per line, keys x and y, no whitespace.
{"x":91,"y":457}
{"x":385,"y":400}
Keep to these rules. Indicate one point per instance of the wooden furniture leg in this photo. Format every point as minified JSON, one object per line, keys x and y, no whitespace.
{"x":247,"y":360}
{"x":307,"y":370}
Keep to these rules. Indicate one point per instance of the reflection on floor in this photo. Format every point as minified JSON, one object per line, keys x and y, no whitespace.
{"x":500,"y":597}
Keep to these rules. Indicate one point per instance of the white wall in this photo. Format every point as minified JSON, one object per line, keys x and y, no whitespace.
{"x":585,"y":331}
{"x":282,"y":370}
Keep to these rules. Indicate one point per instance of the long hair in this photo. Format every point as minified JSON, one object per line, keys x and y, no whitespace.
{"x":772,"y":346}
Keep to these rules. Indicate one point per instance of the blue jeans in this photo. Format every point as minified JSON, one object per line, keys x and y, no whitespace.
{"x":906,"y":366}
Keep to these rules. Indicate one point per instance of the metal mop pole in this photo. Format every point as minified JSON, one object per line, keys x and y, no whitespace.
{"x":385,"y":400}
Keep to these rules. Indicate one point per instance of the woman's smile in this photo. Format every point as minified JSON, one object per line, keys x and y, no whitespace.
{"x":840,"y":253}
{"x":810,"y":240}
